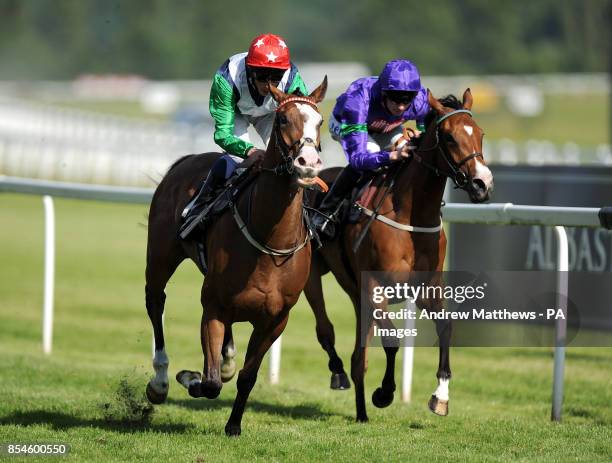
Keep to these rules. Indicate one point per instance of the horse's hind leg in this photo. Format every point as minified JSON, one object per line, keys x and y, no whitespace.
{"x":228,"y":352}
{"x":261,"y":340}
{"x":159,"y":270}
{"x":325,"y":330}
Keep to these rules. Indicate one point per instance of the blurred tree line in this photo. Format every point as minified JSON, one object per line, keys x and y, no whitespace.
{"x":187,"y":39}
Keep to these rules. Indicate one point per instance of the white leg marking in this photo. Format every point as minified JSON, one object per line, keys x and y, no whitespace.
{"x":160,"y":364}
{"x":442,"y":390}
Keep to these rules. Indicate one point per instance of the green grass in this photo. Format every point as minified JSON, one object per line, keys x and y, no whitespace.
{"x":500,"y":397}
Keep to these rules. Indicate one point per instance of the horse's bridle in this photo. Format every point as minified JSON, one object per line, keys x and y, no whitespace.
{"x":288,"y":152}
{"x":459,"y":178}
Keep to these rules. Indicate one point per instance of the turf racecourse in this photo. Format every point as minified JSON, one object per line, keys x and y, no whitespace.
{"x":500,"y":398}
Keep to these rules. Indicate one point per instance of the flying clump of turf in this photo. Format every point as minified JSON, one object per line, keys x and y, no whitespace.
{"x":128,"y":405}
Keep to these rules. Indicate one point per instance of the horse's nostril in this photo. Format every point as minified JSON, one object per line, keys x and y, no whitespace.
{"x":479,"y":185}
{"x":301,"y":161}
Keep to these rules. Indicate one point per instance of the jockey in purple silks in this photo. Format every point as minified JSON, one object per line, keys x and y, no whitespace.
{"x":367,"y":121}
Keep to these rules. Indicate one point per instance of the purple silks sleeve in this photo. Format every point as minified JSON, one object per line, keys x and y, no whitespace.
{"x":355,"y":147}
{"x":351,"y":111}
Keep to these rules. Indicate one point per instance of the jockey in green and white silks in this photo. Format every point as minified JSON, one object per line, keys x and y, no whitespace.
{"x":235,"y":102}
{"x":240,"y":97}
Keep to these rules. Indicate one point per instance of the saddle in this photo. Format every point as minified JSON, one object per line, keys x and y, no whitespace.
{"x":223,"y":199}
{"x":363,"y":195}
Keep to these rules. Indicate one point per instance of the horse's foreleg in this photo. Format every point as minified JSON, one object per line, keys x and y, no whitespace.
{"x":209,"y":385}
{"x":259,"y":343}
{"x":358,"y":363}
{"x":383,"y":396}
{"x":439,"y":399}
{"x":325,"y":330}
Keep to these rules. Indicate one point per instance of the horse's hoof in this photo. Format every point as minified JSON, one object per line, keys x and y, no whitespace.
{"x":228,"y":370}
{"x":195,"y":390}
{"x":439,"y":407}
{"x":232,"y":430}
{"x":340,"y":382}
{"x":210,"y":389}
{"x":382,"y":399}
{"x":154,"y":396}
{"x":185,"y":378}
{"x":362,"y":419}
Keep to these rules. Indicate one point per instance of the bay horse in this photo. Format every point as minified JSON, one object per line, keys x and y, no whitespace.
{"x":408,"y":237}
{"x":258,"y":252}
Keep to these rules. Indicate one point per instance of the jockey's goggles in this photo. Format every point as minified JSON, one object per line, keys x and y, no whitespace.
{"x":267,"y":74}
{"x":399,"y":97}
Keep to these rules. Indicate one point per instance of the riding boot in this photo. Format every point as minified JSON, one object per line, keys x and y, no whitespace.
{"x":326,"y":218}
{"x":200,"y":200}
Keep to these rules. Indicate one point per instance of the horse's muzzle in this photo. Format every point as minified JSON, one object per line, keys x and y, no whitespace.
{"x":478,"y":191}
{"x":307,"y":165}
{"x":480,"y":186}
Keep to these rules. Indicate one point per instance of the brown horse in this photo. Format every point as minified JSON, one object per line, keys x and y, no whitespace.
{"x":451,"y":147}
{"x":258,"y":252}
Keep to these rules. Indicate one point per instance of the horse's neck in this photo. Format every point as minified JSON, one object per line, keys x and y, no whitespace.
{"x":418,"y":191}
{"x":276,"y":209}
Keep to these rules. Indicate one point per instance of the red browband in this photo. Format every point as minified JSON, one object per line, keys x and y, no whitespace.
{"x":298,"y":99}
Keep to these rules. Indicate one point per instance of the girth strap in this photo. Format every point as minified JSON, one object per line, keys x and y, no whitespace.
{"x":263,"y":248}
{"x":399,"y":226}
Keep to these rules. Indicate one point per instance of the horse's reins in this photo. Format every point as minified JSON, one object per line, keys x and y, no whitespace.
{"x":456,"y":174}
{"x":285,"y":167}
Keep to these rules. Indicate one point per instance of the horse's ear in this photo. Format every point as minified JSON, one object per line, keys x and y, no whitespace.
{"x":467,"y":99}
{"x":277,"y":94}
{"x":434,"y":103}
{"x":319,"y":93}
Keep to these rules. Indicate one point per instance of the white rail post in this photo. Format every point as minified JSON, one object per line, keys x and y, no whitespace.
{"x":47,"y":337}
{"x":275,"y":360}
{"x":560,"y":324}
{"x":408,"y":358}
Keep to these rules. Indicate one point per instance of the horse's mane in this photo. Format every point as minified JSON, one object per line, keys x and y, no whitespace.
{"x":450,"y":101}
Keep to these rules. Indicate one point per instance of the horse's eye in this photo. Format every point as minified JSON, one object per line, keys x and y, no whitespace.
{"x":282,"y":119}
{"x":449,"y":138}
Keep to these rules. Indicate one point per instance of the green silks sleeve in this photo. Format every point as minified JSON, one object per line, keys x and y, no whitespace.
{"x":223,"y":109}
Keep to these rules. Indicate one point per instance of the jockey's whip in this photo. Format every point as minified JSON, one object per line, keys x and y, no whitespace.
{"x":368,"y":224}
